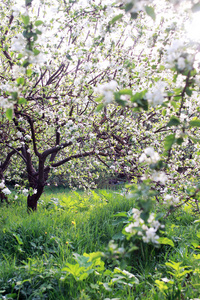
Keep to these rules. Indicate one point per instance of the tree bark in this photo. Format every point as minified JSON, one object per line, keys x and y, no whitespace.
{"x":3,"y":197}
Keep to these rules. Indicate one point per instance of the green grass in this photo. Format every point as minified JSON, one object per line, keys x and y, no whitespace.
{"x":34,"y":249}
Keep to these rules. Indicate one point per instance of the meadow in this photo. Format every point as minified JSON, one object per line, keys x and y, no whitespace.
{"x":73,"y":248}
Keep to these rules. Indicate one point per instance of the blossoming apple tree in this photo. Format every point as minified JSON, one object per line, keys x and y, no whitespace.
{"x":85,"y":83}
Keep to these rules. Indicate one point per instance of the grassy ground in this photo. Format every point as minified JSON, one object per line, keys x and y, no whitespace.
{"x":56,"y":253}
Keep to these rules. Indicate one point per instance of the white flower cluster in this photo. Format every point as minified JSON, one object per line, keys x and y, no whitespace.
{"x":19,"y":44}
{"x":170,"y":200}
{"x":4,"y":189}
{"x":149,"y":156}
{"x":156,"y":95}
{"x":146,"y":231}
{"x":159,"y":176}
{"x":107,"y":90}
{"x":5,"y":103}
{"x":177,"y":57}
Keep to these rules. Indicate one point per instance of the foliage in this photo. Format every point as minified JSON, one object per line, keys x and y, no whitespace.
{"x":47,"y":254}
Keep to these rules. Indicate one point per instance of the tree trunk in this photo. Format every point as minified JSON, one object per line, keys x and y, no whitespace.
{"x":3,"y":197}
{"x":32,"y":200}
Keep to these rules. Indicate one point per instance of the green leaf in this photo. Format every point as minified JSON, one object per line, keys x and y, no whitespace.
{"x":188,"y":92}
{"x":14,"y":95}
{"x":20,"y":81}
{"x":99,"y":107}
{"x":138,"y":96}
{"x":25,"y":63}
{"x":9,"y":113}
{"x":38,"y":23}
{"x":174,"y":121}
{"x":68,"y":56}
{"x":126,"y":92}
{"x":128,"y":7}
{"x":116,"y":18}
{"x":195,"y":123}
{"x":36,"y":51}
{"x":18,"y":238}
{"x":179,"y":141}
{"x":150,"y":11}
{"x":28,"y":72}
{"x":196,"y":7}
{"x":25,"y":19}
{"x":28,"y":2}
{"x":169,"y":141}
{"x":165,"y":241}
{"x":118,"y":236}
{"x":134,"y":15}
{"x":22,"y":100}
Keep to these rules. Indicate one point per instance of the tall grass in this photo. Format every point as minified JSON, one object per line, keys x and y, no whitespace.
{"x":34,"y":249}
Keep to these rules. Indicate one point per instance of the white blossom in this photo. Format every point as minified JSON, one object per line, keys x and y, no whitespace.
{"x":159,"y":176}
{"x":107,"y":90}
{"x":6,"y":191}
{"x":25,"y":192}
{"x":151,"y":236}
{"x":19,"y":134}
{"x":156,"y":95}
{"x":2,"y":184}
{"x":181,"y":63}
{"x":149,"y":156}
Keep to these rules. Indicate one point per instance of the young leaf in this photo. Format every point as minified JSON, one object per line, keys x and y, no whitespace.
{"x":195,"y":123}
{"x":9,"y":113}
{"x":38,"y":23}
{"x":174,"y":121}
{"x":169,"y":141}
{"x":150,"y":11}
{"x":25,"y":19}
{"x":116,"y":18}
{"x":22,"y":100}
{"x":165,"y":241}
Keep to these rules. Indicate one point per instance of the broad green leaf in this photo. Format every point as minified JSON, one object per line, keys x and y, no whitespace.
{"x":22,"y":100}
{"x":188,"y":92}
{"x":134,"y":15}
{"x":128,"y":7}
{"x":25,"y":63}
{"x":116,"y":18}
{"x":36,"y":51}
{"x":14,"y":95}
{"x":165,"y":241}
{"x":179,"y":141}
{"x":138,"y":96}
{"x":28,"y":72}
{"x":28,"y":2}
{"x":195,"y":123}
{"x":118,"y":236}
{"x":9,"y":113}
{"x":169,"y":141}
{"x":38,"y":23}
{"x":25,"y":19}
{"x":150,"y":11}
{"x":126,"y":92}
{"x":99,"y":107}
{"x":174,"y":121}
{"x":20,"y":81}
